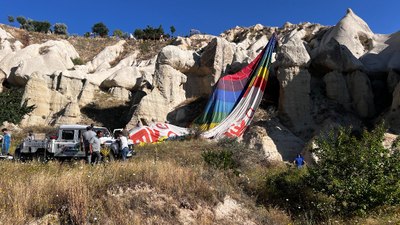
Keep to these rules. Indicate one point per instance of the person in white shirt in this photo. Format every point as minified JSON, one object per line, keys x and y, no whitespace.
{"x":95,"y":146}
{"x":124,"y":146}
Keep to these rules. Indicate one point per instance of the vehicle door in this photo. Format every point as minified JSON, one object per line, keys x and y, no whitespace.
{"x":69,"y":144}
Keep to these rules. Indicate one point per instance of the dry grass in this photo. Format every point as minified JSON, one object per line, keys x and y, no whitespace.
{"x":88,"y":48}
{"x":162,"y":184}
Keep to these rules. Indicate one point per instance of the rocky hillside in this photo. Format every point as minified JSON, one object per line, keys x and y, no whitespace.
{"x":322,"y":77}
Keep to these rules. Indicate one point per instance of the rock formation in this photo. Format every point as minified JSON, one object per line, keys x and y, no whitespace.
{"x":342,"y":74}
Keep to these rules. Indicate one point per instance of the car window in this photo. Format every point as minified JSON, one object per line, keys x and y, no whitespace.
{"x":67,"y":134}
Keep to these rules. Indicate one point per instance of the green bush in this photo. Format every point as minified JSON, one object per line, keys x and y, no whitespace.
{"x":290,"y":189}
{"x":219,"y":159}
{"x":11,"y":108}
{"x":78,"y":61}
{"x":60,"y":28}
{"x":100,"y":29}
{"x":149,"y":33}
{"x":358,"y":172}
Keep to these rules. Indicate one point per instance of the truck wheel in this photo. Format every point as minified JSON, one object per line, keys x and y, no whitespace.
{"x":40,"y":156}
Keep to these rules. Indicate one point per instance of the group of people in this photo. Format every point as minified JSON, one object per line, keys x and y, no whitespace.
{"x":92,"y":144}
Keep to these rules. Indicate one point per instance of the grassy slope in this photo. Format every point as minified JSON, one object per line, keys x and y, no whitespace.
{"x":165,"y":184}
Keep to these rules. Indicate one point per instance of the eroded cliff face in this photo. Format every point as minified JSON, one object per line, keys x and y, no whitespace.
{"x":339,"y":75}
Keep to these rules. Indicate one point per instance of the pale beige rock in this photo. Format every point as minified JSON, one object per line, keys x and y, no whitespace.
{"x":352,"y":32}
{"x":168,"y":92}
{"x":196,"y":41}
{"x":3,"y":76}
{"x":361,"y":94}
{"x":43,"y":58}
{"x":57,"y":99}
{"x":335,"y":56}
{"x":385,"y":54}
{"x":214,"y":60}
{"x":127,"y":77}
{"x":177,"y":58}
{"x":294,"y":97}
{"x":102,"y":60}
{"x":120,"y":93}
{"x":276,"y":141}
{"x":336,"y":89}
{"x":293,"y":52}
{"x":8,"y":44}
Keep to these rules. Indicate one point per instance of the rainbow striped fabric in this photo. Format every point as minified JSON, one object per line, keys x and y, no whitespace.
{"x":236,"y":97}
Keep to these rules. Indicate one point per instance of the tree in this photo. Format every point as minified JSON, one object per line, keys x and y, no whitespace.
{"x":60,"y":28}
{"x":100,"y":29}
{"x":118,"y":33}
{"x":86,"y":34}
{"x":41,"y":26}
{"x":358,"y":172}
{"x":21,"y":20}
{"x":149,"y":33}
{"x":172,"y":29}
{"x":11,"y":19}
{"x":11,"y":109}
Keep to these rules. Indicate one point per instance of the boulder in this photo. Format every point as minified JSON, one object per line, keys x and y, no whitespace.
{"x":393,"y":116}
{"x":213,"y":63}
{"x":351,"y":31}
{"x":168,"y":92}
{"x":120,"y":93}
{"x":385,"y":54}
{"x":292,"y":51}
{"x":276,"y":141}
{"x":177,"y":58}
{"x":361,"y":94}
{"x":196,"y":41}
{"x":336,"y":89}
{"x":43,"y":58}
{"x":102,"y":60}
{"x":294,"y":97}
{"x":392,"y":80}
{"x":127,"y":77}
{"x":335,"y":56}
{"x":8,"y":44}
{"x":3,"y":76}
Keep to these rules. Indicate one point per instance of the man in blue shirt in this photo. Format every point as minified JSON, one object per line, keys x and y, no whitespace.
{"x":5,"y":146}
{"x":299,"y":161}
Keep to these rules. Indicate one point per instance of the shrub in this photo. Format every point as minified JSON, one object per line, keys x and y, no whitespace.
{"x":60,"y":28}
{"x":78,"y":61}
{"x":118,"y":33}
{"x":21,"y":20}
{"x":358,"y":172}
{"x":11,"y":109}
{"x":225,"y":157}
{"x":10,"y":19}
{"x":100,"y":29}
{"x":149,"y":33}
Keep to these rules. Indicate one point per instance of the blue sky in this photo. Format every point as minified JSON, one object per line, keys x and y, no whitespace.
{"x":212,"y":17}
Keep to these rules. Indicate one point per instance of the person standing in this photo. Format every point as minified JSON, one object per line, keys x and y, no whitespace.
{"x":299,"y":161}
{"x":5,"y":146}
{"x":30,"y":136}
{"x":124,"y":146}
{"x":125,"y":132}
{"x":87,"y":136}
{"x":95,"y":146}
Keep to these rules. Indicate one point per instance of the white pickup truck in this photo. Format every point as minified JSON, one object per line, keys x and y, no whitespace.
{"x":66,"y":144}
